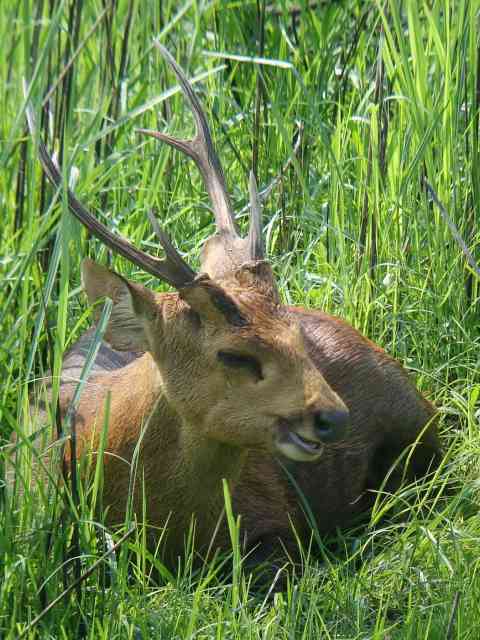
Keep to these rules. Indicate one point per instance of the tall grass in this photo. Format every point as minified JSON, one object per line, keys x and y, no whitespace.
{"x":384,"y":96}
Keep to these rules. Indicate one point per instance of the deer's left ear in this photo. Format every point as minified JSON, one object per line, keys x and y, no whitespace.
{"x":134,"y":307}
{"x":213,"y":303}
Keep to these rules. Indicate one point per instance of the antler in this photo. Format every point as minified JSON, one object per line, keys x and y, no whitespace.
{"x":173,"y":270}
{"x":202,"y":151}
{"x":255,"y":232}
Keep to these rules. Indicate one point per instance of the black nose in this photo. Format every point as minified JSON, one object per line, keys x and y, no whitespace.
{"x":331,"y":424}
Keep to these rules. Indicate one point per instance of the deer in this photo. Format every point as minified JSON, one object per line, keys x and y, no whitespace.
{"x":218,"y":380}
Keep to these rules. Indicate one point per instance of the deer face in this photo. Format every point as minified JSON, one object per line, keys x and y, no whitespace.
{"x":232,"y":366}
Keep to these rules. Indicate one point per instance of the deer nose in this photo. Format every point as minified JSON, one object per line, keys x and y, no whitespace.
{"x":331,"y":424}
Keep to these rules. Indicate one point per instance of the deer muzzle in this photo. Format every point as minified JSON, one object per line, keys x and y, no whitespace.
{"x":303,"y":438}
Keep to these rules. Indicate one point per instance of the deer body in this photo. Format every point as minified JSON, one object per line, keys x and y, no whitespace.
{"x":181,"y":478}
{"x":219,"y":380}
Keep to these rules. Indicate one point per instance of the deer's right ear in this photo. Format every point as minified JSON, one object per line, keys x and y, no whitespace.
{"x":134,"y":306}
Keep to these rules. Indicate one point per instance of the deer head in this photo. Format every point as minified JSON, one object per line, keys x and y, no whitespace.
{"x":232,"y":362}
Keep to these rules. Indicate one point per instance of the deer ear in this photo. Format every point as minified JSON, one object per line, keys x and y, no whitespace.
{"x":134,"y":306}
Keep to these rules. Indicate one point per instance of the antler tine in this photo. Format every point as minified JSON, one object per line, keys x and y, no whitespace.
{"x":202,"y":151}
{"x":174,"y":258}
{"x":255,"y":230}
{"x":173,"y":270}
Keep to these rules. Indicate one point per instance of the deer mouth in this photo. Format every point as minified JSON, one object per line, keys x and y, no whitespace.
{"x":310,"y":446}
{"x":297,"y":447}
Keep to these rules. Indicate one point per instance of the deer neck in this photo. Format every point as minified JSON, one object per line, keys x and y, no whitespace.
{"x":190,"y":469}
{"x":176,"y":472}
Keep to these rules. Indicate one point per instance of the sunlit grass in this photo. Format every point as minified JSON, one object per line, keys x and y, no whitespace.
{"x":387,"y":96}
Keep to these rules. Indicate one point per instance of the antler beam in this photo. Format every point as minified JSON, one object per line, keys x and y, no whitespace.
{"x":173,"y":270}
{"x":202,"y":151}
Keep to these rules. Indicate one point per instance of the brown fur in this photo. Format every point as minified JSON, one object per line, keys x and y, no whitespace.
{"x":197,"y":423}
{"x":192,"y":419}
{"x":387,"y":415}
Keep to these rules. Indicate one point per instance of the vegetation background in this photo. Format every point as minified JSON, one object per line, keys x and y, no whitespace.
{"x":343,"y":109}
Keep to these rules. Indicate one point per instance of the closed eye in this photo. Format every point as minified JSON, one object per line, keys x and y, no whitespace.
{"x":241,"y":361}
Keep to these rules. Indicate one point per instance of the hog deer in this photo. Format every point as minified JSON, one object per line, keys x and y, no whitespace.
{"x":226,"y":382}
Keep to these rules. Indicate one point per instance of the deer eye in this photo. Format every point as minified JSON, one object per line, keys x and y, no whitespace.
{"x":241,"y":361}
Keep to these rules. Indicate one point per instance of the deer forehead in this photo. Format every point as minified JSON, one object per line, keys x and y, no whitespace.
{"x":268,"y":333}
{"x":266,"y":325}
{"x":275,"y":343}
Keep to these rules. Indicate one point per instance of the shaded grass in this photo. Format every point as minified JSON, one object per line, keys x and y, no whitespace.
{"x":387,"y":96}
